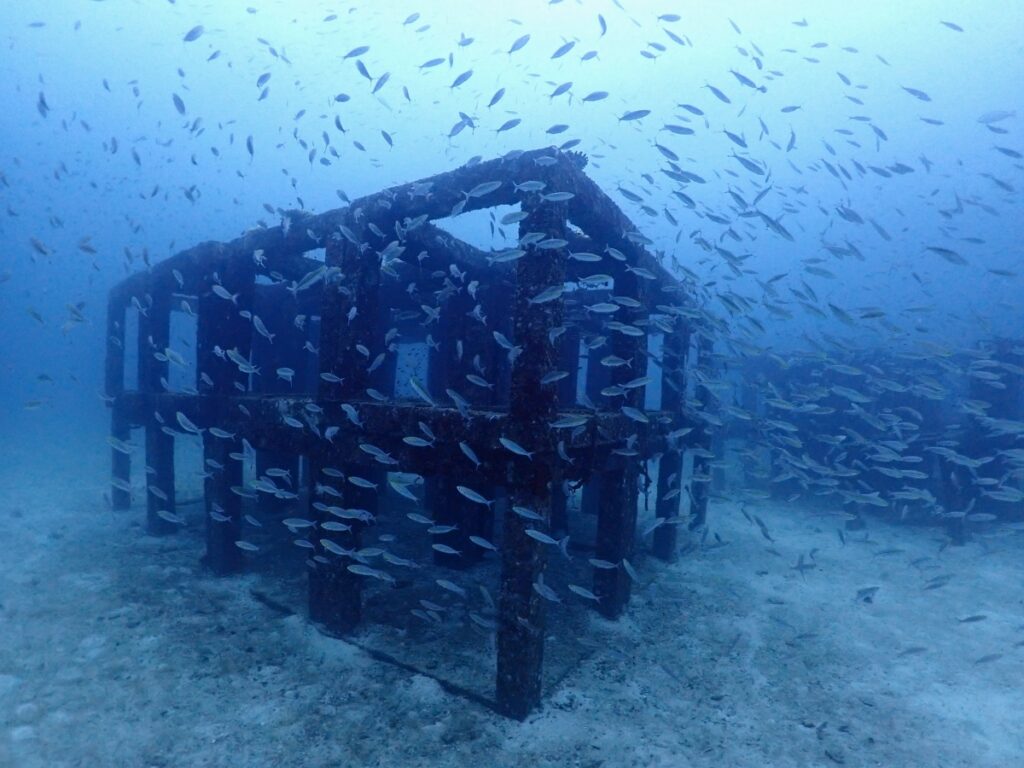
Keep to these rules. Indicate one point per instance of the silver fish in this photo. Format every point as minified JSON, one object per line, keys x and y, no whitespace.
{"x":473,"y":496}
{"x":515,"y":447}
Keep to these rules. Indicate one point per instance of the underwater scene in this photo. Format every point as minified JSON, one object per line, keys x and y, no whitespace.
{"x":550,"y":383}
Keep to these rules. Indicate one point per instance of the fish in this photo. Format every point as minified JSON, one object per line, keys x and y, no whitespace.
{"x":545,"y":591}
{"x":469,"y":453}
{"x":532,"y":185}
{"x":540,"y":536}
{"x":473,"y":496}
{"x":224,"y":293}
{"x":364,"y":570}
{"x":261,"y":329}
{"x":635,"y":114}
{"x":514,"y":447}
{"x":120,"y":446}
{"x":421,"y":392}
{"x":359,"y":50}
{"x":519,"y":43}
{"x":462,"y":78}
{"x":186,"y":424}
{"x":417,"y":442}
{"x":639,"y":382}
{"x":498,"y":95}
{"x":445,"y":549}
{"x":718,"y":94}
{"x":570,"y":421}
{"x":583,"y":592}
{"x":549,"y":294}
{"x":917,"y":94}
{"x":948,"y":254}
{"x":635,"y":414}
{"x":559,"y":90}
{"x":170,"y":517}
{"x":526,"y":513}
{"x":996,"y":116}
{"x":484,"y":188}
{"x":563,"y":49}
{"x":483,"y":543}
{"x":451,"y":587}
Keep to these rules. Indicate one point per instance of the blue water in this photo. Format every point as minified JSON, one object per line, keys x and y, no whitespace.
{"x":838,"y":186}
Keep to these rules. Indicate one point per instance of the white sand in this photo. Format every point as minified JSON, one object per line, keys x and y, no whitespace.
{"x":116,"y":649}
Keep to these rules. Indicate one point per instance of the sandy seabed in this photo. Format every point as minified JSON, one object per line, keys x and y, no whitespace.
{"x":118,"y":649}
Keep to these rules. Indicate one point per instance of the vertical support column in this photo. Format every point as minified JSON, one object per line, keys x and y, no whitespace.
{"x":334,"y":601}
{"x":671,"y":462}
{"x":269,"y":459}
{"x":616,"y":530}
{"x":220,"y":324}
{"x":154,"y":338}
{"x":451,"y":508}
{"x":383,"y":378}
{"x":349,"y":317}
{"x":532,"y":407}
{"x":277,"y":307}
{"x":559,"y":505}
{"x":589,"y":495}
{"x":439,"y":358}
{"x":597,"y":378}
{"x":569,"y":361}
{"x":457,"y":329}
{"x":335,"y":593}
{"x":222,"y":556}
{"x":617,"y":483}
{"x":667,"y":506}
